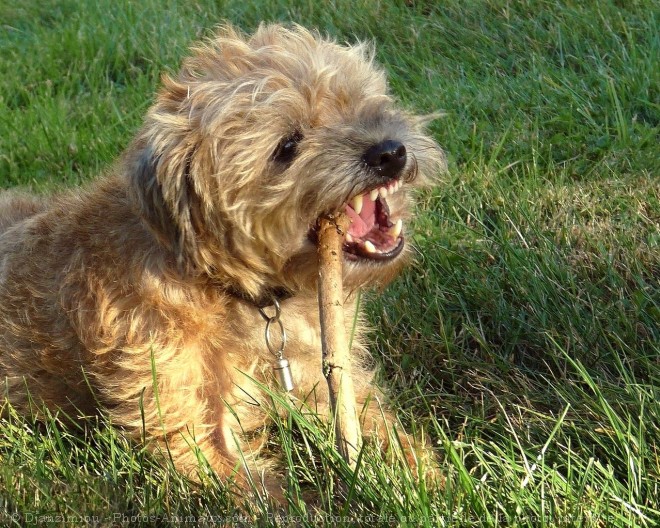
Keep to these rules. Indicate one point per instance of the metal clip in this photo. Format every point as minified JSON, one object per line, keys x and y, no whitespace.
{"x":281,"y":367}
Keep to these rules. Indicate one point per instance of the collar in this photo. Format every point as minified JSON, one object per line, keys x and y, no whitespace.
{"x":265,"y":299}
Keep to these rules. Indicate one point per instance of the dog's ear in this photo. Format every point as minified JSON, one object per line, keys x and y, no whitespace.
{"x":163,"y":190}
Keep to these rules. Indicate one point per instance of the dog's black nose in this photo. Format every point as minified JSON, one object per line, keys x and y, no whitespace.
{"x":386,"y":158}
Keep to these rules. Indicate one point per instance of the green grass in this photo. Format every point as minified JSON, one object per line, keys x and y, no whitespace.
{"x":526,"y":337}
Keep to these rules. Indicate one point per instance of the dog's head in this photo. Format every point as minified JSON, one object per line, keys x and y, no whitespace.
{"x":256,"y":138}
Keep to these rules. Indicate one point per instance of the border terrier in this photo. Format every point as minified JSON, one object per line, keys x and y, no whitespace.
{"x":163,"y":264}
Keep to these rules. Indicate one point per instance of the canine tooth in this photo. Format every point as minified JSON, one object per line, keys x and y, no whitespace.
{"x":349,"y":237}
{"x":369,"y":247}
{"x":356,"y":203}
{"x":373,"y":195}
{"x":397,"y":185}
{"x":383,"y":192}
{"x":395,"y":230}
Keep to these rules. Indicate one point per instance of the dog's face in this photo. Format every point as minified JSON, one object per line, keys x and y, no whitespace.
{"x":256,"y":138}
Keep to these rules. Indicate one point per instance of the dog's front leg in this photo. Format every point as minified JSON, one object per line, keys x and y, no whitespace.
{"x":380,"y":424}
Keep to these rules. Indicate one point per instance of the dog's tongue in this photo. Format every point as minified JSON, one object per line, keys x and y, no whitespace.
{"x":364,"y":222}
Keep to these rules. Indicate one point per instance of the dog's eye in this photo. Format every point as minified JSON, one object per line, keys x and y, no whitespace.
{"x":287,"y":149}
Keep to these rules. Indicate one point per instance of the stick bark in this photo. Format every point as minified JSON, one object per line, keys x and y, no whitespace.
{"x":336,"y":358}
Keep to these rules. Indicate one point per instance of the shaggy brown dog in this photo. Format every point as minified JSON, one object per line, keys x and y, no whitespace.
{"x":210,"y":214}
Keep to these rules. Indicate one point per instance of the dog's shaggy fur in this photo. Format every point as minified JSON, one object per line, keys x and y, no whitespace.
{"x":209,"y":213}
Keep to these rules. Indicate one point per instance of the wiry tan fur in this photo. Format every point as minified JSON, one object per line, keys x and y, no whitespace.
{"x":157,"y":260}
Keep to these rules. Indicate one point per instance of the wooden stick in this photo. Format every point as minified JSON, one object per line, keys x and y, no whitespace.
{"x":336,"y":359}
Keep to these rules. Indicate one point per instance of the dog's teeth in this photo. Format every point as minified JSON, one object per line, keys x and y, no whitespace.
{"x":349,"y":237}
{"x":369,"y":247}
{"x":383,"y":192}
{"x":373,"y":195}
{"x":397,"y":185}
{"x":356,"y":203}
{"x":395,"y":230}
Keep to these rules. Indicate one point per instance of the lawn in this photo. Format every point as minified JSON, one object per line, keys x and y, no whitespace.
{"x":525,"y":339}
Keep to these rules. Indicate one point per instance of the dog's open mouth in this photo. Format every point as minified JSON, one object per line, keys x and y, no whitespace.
{"x":373,"y":234}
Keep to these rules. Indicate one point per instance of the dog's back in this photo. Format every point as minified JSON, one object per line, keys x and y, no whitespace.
{"x":15,"y":207}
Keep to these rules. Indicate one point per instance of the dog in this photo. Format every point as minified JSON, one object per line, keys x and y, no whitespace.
{"x":142,"y":294}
